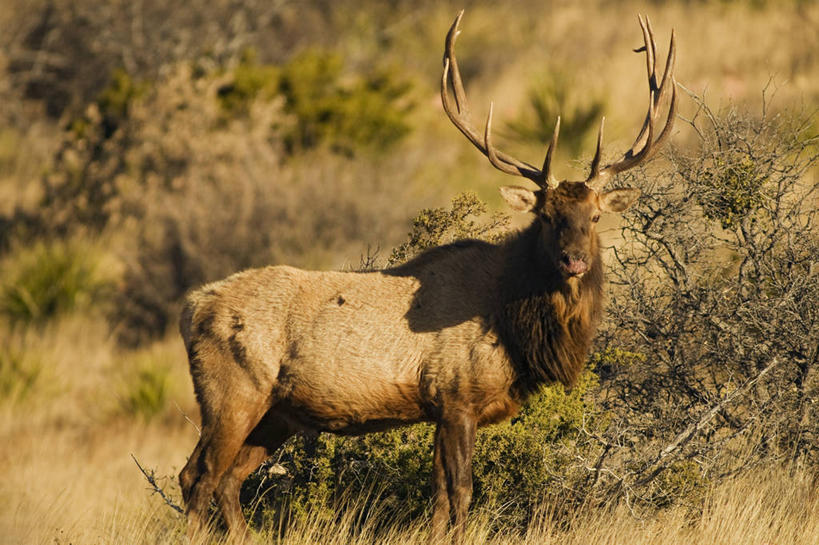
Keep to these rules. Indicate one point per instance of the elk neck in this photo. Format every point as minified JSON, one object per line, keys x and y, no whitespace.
{"x":545,"y":321}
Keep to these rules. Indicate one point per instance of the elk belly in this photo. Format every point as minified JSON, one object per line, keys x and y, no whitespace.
{"x":352,"y":374}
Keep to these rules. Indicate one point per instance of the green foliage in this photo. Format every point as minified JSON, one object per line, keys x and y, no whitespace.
{"x":144,"y":393}
{"x":331,"y":107}
{"x":115,"y":100}
{"x":435,"y":226}
{"x":732,"y":188}
{"x":19,"y":373}
{"x":558,"y":97}
{"x":682,"y":481}
{"x":515,"y":464}
{"x":112,"y":106}
{"x":49,"y":279}
{"x":250,"y":80}
{"x":340,"y":111}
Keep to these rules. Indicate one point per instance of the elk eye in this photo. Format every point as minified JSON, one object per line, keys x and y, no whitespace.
{"x":595,"y":218}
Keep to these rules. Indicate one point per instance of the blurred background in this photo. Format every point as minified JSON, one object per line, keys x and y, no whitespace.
{"x":147,"y":147}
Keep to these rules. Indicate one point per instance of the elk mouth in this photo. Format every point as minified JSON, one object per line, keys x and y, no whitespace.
{"x":573,"y":266}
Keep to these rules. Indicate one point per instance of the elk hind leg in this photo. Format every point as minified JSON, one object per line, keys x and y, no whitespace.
{"x":263,"y":441}
{"x":222,"y":439}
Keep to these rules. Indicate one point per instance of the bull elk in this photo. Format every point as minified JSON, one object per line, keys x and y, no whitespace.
{"x":459,"y":336}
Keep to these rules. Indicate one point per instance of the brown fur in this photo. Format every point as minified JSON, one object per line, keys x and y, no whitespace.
{"x":459,"y":336}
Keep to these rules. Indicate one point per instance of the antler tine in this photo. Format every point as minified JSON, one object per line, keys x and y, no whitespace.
{"x":548,"y":178}
{"x":661,"y":91}
{"x":595,"y":165}
{"x":460,"y":118}
{"x":491,"y":153}
{"x":449,"y":54}
{"x":650,"y":47}
{"x":645,"y":139}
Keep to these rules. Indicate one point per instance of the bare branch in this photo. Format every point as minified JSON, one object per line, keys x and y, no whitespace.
{"x":150,"y":477}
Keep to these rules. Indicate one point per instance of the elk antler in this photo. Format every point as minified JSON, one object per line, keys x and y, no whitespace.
{"x":459,"y":115}
{"x":599,"y":177}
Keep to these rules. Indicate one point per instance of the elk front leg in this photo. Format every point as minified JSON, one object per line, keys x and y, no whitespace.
{"x":440,"y":515}
{"x":452,"y":473}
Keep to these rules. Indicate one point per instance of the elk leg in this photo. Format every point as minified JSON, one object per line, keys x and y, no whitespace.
{"x":440,"y":516}
{"x":190,"y":473}
{"x":454,"y":446}
{"x":227,"y":493}
{"x":215,"y":454}
{"x":250,"y":456}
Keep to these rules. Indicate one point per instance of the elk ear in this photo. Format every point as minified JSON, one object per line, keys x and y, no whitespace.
{"x":520,"y":198}
{"x":618,"y":200}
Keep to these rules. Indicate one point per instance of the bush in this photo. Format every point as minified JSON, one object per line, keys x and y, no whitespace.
{"x":435,"y":226}
{"x":716,"y":287}
{"x":367,"y":110}
{"x":345,"y":112}
{"x":49,"y":279}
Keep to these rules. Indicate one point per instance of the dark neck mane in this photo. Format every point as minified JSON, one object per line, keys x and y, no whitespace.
{"x":545,"y":322}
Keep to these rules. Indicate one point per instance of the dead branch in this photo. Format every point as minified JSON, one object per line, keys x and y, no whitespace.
{"x":150,"y":477}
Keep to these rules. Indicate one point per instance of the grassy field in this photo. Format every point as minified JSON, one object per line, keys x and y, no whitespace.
{"x":69,"y":476}
{"x":76,"y":404}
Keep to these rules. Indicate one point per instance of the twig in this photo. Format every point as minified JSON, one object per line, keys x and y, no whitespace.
{"x":192,"y":423}
{"x":157,"y":489}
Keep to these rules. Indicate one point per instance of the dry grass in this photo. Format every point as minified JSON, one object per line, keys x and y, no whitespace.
{"x":68,"y":476}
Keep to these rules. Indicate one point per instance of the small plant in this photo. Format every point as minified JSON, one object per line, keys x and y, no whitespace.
{"x":49,"y":279}
{"x":555,"y":98}
{"x":732,"y":189}
{"x":19,"y":373}
{"x":145,"y":389}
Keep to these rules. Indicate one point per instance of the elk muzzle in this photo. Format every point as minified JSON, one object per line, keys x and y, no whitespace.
{"x":573,"y":265}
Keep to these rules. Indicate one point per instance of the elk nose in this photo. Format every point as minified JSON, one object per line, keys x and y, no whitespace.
{"x":573,"y":264}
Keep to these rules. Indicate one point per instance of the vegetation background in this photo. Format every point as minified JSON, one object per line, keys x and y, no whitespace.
{"x":147,"y":147}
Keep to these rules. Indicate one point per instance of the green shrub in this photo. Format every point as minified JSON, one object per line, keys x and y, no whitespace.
{"x":340,"y":111}
{"x":513,"y":465}
{"x":732,"y":188}
{"x":145,"y":388}
{"x":249,"y":81}
{"x":331,"y":107}
{"x":435,"y":226}
{"x":50,"y":278}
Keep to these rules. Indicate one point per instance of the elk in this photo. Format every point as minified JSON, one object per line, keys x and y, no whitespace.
{"x":459,"y":336}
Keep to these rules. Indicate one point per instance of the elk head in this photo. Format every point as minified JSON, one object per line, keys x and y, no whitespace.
{"x":568,"y":210}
